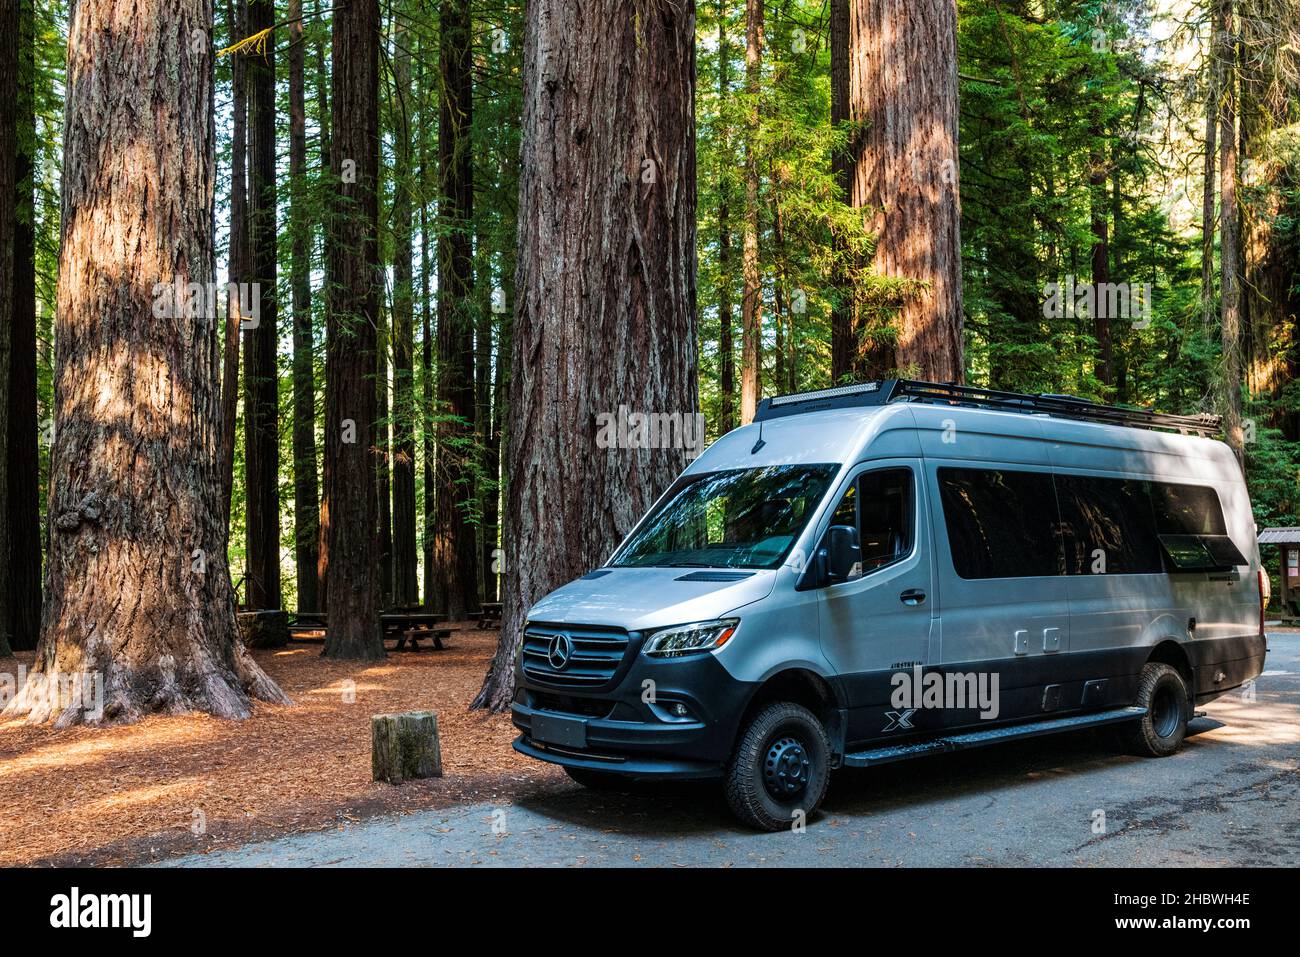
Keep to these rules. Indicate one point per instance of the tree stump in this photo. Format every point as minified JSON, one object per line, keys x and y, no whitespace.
{"x":264,"y":629}
{"x":404,"y":747}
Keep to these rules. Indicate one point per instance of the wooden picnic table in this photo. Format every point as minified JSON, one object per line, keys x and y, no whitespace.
{"x":490,"y":614}
{"x":406,"y":625}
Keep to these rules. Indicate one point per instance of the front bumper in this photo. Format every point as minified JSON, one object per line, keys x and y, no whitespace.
{"x":624,"y":733}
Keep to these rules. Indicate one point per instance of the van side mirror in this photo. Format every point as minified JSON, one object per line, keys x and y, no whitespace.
{"x":843,"y":552}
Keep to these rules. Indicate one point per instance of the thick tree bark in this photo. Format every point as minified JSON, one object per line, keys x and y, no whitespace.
{"x":306,"y":493}
{"x":1229,"y":231}
{"x":141,"y":615}
{"x":904,"y":71}
{"x":9,"y":27}
{"x":406,"y":583}
{"x":726,"y":345}
{"x":23,"y":452}
{"x":352,"y":316}
{"x":236,"y":252}
{"x":454,"y":542}
{"x":751,"y":305}
{"x":261,"y":372}
{"x":603,"y":317}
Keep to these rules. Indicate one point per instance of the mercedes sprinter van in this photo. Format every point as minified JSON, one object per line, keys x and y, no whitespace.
{"x":894,"y":569}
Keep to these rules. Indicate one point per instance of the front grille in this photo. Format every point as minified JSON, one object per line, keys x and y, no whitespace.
{"x":597,"y":652}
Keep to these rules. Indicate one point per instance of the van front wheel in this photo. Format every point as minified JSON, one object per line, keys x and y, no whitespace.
{"x":1163,"y":693}
{"x":780,"y":768}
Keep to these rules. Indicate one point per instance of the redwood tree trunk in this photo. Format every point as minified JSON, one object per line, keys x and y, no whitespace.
{"x":261,"y":374}
{"x":1100,"y":256}
{"x":454,"y":543}
{"x":1229,"y":231}
{"x":352,"y":315}
{"x":603,"y":317}
{"x":24,"y":453}
{"x":139,"y":596}
{"x":904,"y":72}
{"x":236,"y":252}
{"x":726,"y":344}
{"x":751,"y":305}
{"x":306,"y":495}
{"x":843,"y":340}
{"x":406,"y":584}
{"x":9,"y":27}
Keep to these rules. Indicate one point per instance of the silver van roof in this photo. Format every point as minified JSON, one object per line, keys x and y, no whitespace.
{"x":887,"y":391}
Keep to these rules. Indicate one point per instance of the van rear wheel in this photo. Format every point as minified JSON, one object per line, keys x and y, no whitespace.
{"x":779,"y":771}
{"x":1163,"y":693}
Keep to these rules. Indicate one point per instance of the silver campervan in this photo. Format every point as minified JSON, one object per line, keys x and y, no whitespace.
{"x":894,"y":569}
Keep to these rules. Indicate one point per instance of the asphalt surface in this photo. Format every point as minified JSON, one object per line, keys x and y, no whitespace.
{"x":1230,"y":797}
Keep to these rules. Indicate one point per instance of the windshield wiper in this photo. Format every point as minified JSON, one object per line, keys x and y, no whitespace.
{"x":690,"y":565}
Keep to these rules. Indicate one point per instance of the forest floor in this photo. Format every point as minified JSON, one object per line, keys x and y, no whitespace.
{"x":177,"y":785}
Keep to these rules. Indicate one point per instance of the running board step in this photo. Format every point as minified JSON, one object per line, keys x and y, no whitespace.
{"x":977,"y":739}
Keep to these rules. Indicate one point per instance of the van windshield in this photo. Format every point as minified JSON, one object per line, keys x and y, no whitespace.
{"x":739,"y":518}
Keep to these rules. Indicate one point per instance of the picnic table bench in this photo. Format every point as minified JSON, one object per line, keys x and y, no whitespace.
{"x":409,"y":625}
{"x":490,"y":615}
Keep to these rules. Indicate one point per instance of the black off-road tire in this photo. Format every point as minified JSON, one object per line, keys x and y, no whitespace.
{"x":1163,"y":693}
{"x":782,"y":735}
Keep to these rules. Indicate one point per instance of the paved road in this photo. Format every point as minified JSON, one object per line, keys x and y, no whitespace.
{"x":1232,"y":796}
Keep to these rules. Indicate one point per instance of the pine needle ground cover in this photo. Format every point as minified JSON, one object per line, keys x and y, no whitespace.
{"x":175,"y":785}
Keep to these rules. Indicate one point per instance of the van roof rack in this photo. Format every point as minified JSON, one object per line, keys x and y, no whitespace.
{"x":883,"y":392}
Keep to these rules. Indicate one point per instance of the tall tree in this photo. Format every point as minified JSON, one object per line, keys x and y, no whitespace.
{"x":903,"y":66}
{"x":23,"y":453}
{"x":383,"y":465}
{"x":406,"y":584}
{"x":138,"y":537}
{"x":306,"y":494}
{"x":751,"y":305}
{"x":726,"y":344}
{"x":236,"y":252}
{"x":844,"y":161}
{"x":352,"y":316}
{"x":428,"y":425}
{"x":604,"y":317}
{"x":9,"y":60}
{"x":454,"y":543}
{"x":1229,"y":227}
{"x":261,"y":372}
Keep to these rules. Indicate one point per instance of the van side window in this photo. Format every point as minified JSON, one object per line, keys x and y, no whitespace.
{"x":885,"y":517}
{"x":1107,"y":526}
{"x":1191,"y":529}
{"x":879,"y":505}
{"x":1001,"y":523}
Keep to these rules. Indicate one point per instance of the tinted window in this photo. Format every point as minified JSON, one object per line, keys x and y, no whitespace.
{"x":1107,"y":526}
{"x":740,"y":518}
{"x":885,"y":525}
{"x":1187,"y":510}
{"x":1001,"y":523}
{"x":1191,"y":529}
{"x":879,"y":505}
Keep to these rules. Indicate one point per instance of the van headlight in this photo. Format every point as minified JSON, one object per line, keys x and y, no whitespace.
{"x":690,"y":639}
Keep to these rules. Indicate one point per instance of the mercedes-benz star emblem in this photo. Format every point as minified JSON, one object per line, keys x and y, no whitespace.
{"x":559,"y":651}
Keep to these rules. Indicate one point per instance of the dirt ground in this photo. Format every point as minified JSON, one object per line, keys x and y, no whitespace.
{"x":172,"y":785}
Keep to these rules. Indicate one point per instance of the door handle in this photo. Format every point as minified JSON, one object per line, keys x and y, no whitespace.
{"x":913,"y":596}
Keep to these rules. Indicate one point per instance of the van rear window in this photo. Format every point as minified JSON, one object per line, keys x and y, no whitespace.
{"x":1013,"y":524}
